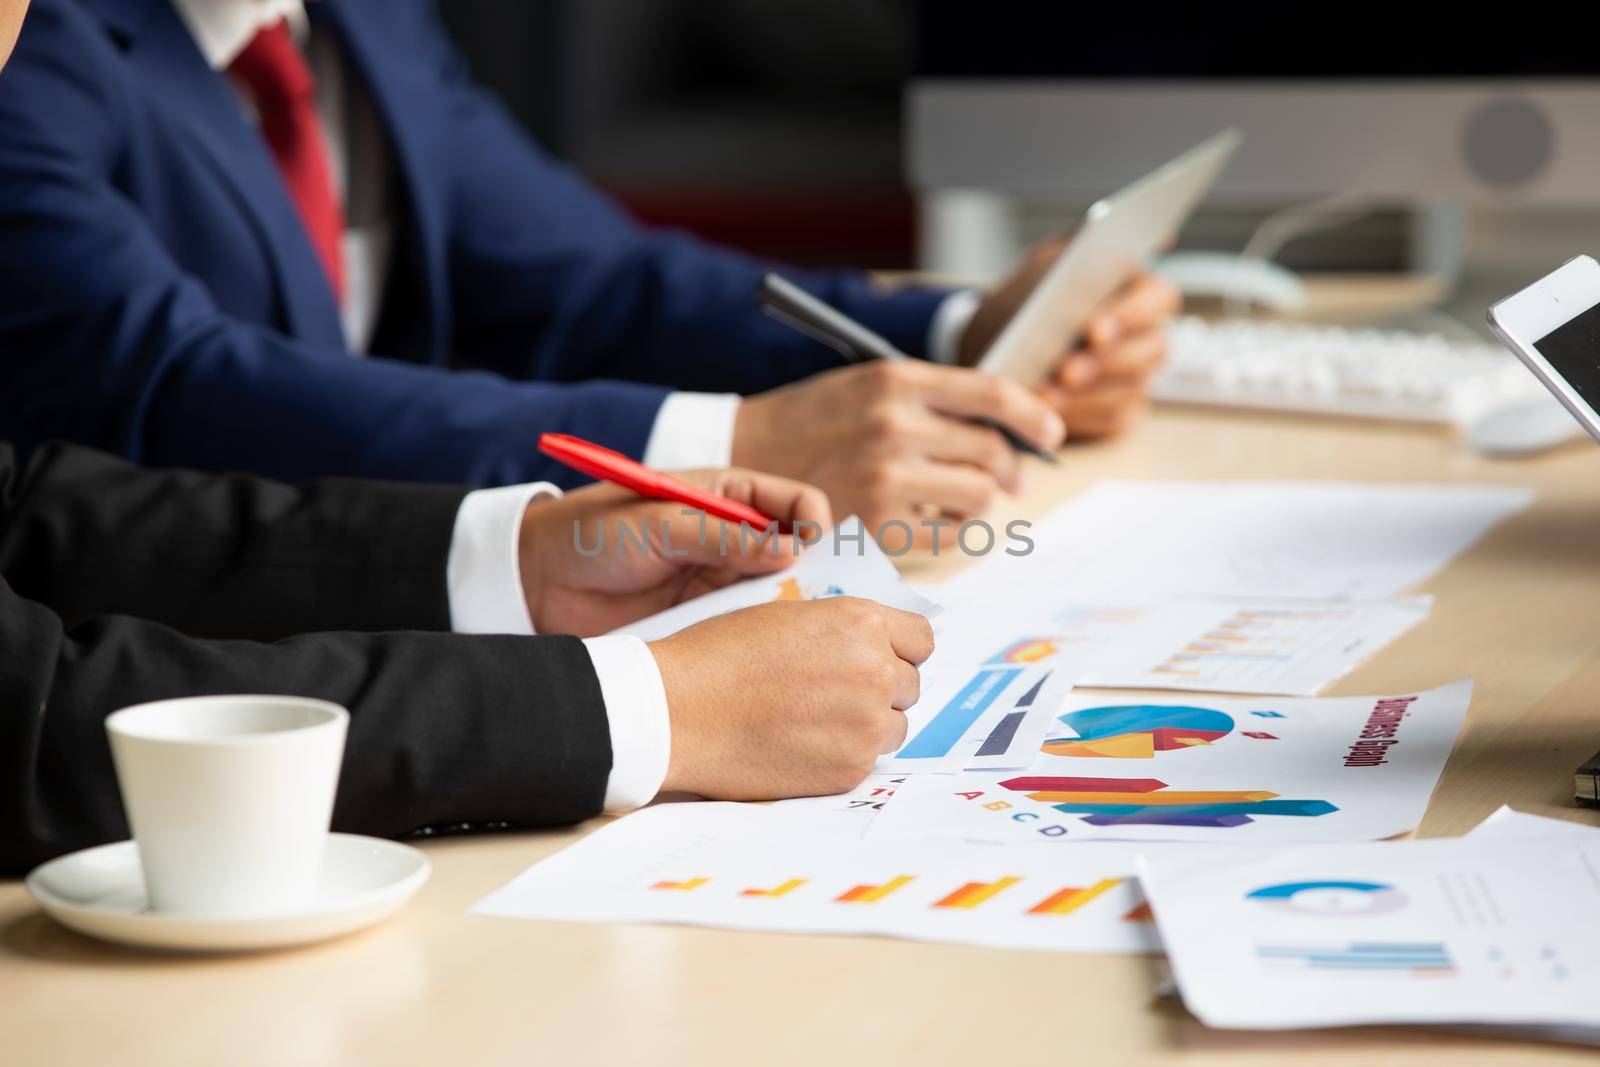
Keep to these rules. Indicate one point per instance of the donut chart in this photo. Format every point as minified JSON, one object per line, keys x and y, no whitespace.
{"x":1331,"y":898}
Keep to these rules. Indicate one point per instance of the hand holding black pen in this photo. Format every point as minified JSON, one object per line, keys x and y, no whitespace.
{"x":788,"y":303}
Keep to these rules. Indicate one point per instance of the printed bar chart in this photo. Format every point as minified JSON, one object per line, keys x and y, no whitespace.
{"x":952,"y":721}
{"x":1150,"y":799}
{"x":1421,"y":959}
{"x":776,"y":891}
{"x":871,"y":894}
{"x":1026,"y":699}
{"x":974,"y":894}
{"x":683,"y":886}
{"x":1221,"y":806}
{"x":1066,"y":901}
{"x":999,"y":739}
{"x":1246,"y":637}
{"x":1168,"y":818}
{"x":1146,"y":802}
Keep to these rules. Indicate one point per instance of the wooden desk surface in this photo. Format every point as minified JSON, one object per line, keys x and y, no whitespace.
{"x":1521,"y":611}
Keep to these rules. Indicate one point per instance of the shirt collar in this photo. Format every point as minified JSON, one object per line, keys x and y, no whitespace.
{"x":222,"y":28}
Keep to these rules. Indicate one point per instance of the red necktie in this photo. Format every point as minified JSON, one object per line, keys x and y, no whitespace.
{"x":274,"y":71}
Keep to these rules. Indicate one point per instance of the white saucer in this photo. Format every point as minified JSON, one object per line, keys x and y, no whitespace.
{"x":100,"y":892}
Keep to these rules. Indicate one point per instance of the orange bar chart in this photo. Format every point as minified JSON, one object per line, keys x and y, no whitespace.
{"x":871,"y":894}
{"x":1070,"y":899}
{"x":973,"y":894}
{"x":683,"y":886}
{"x":776,"y":891}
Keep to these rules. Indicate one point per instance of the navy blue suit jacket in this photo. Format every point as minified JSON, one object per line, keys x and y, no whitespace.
{"x":161,"y":299}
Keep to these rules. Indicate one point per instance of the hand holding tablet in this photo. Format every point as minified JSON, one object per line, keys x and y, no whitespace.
{"x":1117,"y":238}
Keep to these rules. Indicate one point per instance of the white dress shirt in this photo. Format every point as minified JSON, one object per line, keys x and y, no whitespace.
{"x":484,"y":581}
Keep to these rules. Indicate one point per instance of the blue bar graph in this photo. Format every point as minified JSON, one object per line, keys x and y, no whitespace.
{"x":1304,"y":808}
{"x":951,"y":724}
{"x":1428,"y":958}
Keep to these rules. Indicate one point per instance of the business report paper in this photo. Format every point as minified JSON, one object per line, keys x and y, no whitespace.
{"x":859,"y":569}
{"x":989,"y":715}
{"x":847,"y":814}
{"x":752,"y":868}
{"x":1483,"y":930}
{"x":1232,"y":771}
{"x":1212,"y":645}
{"x":996,"y":683}
{"x":1518,"y":825}
{"x":1138,"y":542}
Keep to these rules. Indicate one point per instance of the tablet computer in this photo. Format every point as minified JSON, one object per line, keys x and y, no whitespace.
{"x":1118,"y":237}
{"x":1554,"y":327}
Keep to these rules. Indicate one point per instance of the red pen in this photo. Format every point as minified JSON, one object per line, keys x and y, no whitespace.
{"x":618,"y":469}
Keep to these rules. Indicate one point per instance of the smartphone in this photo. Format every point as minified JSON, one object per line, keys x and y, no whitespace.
{"x":1554,"y":327}
{"x":1116,"y":240}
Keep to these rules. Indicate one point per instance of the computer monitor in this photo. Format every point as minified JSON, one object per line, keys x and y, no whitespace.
{"x":1021,"y":98}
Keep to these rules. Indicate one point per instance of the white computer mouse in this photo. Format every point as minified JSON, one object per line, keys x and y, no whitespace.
{"x":1521,"y":425}
{"x":1228,"y":277}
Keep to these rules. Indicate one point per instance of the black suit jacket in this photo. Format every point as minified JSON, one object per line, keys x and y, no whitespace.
{"x":120,"y":585}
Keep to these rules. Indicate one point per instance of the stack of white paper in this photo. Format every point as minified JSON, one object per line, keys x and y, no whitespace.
{"x":1212,"y":645}
{"x":858,"y":568}
{"x":1496,"y":928}
{"x":1224,"y":771}
{"x":996,"y":683}
{"x":753,"y":868}
{"x":1020,"y":813}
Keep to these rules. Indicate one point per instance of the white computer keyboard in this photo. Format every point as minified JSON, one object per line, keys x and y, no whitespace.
{"x":1387,"y":374}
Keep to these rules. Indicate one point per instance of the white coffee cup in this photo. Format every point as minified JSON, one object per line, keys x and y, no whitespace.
{"x":229,"y":798}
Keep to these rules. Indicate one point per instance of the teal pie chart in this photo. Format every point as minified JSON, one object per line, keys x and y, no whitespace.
{"x":1330,"y":898}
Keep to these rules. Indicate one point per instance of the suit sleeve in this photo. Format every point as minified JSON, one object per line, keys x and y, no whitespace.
{"x":106,"y":340}
{"x":223,"y":555}
{"x":444,"y":729}
{"x":538,"y":253}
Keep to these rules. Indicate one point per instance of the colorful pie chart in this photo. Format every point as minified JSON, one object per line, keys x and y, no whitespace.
{"x":1330,"y":898}
{"x":1138,"y":731}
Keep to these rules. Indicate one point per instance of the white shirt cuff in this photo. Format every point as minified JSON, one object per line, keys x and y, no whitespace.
{"x":692,"y":430}
{"x":636,"y":711}
{"x":950,"y":324}
{"x":483,"y":577}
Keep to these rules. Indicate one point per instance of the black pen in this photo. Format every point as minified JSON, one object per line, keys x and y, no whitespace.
{"x":793,"y":306}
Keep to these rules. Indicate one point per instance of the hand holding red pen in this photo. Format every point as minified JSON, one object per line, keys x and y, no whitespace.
{"x":608,"y":465}
{"x":592,"y":592}
{"x":778,"y":700}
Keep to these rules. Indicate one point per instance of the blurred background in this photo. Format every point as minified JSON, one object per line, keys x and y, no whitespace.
{"x":889,"y":134}
{"x":770,"y":125}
